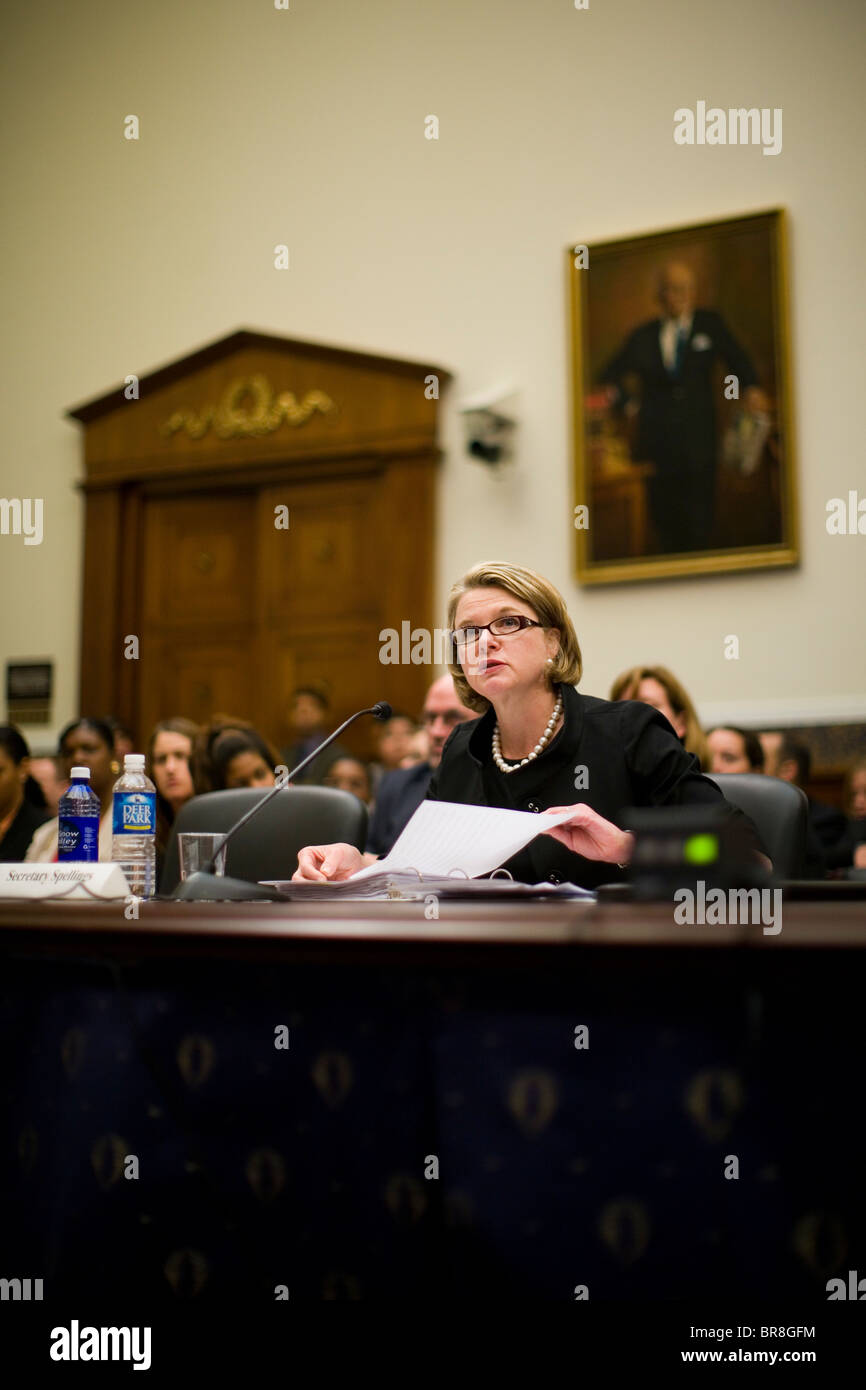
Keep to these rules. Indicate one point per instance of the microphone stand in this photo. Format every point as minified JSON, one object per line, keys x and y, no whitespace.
{"x":207,"y":886}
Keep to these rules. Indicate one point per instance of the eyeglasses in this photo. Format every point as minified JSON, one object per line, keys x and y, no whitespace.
{"x":506,"y":626}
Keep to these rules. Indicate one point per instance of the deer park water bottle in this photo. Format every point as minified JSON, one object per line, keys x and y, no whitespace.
{"x":78,"y":820}
{"x":134,"y":826}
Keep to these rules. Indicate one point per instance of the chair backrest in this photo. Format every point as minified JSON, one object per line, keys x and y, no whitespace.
{"x":780,"y":812}
{"x":268,"y":847}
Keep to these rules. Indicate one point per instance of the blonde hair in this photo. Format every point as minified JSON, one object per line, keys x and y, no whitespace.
{"x":549,"y":607}
{"x":626,"y":686}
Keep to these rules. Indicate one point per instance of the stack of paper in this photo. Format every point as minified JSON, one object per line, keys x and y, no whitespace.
{"x":395,"y":886}
{"x":444,"y":849}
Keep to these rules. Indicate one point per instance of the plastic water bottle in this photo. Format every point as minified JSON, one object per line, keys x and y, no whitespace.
{"x":78,"y":814}
{"x":134,"y":826}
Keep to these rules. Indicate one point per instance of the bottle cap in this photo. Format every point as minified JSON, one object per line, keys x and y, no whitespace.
{"x":78,"y":772}
{"x":133,"y":762}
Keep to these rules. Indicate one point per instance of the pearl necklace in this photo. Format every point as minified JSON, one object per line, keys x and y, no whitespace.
{"x":539,"y":747}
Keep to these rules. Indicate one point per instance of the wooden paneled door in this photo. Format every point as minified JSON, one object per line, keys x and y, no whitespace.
{"x":199,"y":629}
{"x":256,"y":519}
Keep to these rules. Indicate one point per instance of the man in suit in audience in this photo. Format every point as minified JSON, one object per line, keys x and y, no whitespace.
{"x":308,"y":714}
{"x":795,"y":765}
{"x":401,"y":792}
{"x":827,"y":825}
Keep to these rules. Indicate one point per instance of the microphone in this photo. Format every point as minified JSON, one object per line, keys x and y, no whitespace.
{"x":207,"y":886}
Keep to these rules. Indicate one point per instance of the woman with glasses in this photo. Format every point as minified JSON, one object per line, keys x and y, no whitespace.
{"x":540,"y":745}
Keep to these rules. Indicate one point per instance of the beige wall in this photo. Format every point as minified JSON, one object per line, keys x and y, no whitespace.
{"x":306,"y":126}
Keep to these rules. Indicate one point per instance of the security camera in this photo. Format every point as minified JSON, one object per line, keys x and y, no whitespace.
{"x":489,"y":427}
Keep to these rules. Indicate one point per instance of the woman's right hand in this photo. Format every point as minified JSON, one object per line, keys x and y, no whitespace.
{"x":325,"y":863}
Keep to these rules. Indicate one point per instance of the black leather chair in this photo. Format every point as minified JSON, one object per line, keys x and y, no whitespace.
{"x":780,"y":812}
{"x":268,"y":847}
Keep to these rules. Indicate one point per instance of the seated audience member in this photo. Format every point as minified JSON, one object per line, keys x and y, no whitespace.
{"x":48,"y":775}
{"x":308,"y":716}
{"x":203,"y":746}
{"x":659,"y":687}
{"x":242,"y":758}
{"x":401,"y":792}
{"x":734,"y":750}
{"x":33,"y":790}
{"x":393,"y":740}
{"x":124,"y":740}
{"x":827,"y":824}
{"x":855,"y":790}
{"x":771,"y":742}
{"x":83,"y":743}
{"x":849,"y":852}
{"x":518,"y":664}
{"x":419,"y":749}
{"x":350,"y":775}
{"x":169,"y":766}
{"x":19,"y":816}
{"x":855,"y":803}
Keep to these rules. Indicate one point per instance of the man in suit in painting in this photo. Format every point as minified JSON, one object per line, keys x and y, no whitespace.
{"x":673,"y":358}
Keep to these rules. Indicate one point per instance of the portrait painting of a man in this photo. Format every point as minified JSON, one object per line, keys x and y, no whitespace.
{"x":682,"y":442}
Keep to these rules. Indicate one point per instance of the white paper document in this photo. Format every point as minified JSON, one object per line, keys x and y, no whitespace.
{"x":444,"y":849}
{"x":446,"y":837}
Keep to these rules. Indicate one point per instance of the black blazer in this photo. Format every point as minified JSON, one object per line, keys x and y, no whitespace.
{"x":16,"y":841}
{"x":398,"y":798}
{"x":631,"y":757}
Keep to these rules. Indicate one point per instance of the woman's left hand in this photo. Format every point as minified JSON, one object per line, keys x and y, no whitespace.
{"x":589,"y":834}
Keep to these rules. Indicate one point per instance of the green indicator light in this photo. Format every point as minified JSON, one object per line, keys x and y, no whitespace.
{"x":701,"y":849}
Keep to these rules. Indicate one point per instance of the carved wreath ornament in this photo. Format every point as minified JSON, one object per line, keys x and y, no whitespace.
{"x":250,"y":406}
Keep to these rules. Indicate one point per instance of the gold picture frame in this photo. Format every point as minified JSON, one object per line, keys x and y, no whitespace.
{"x":684,"y":452}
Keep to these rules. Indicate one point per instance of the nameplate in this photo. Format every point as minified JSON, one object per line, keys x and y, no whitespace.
{"x":75,"y":882}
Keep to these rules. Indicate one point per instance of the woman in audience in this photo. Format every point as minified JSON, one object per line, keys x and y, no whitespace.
{"x":850,"y":852}
{"x":350,"y":775}
{"x":856,"y":808}
{"x":203,"y":772}
{"x":538,"y":740}
{"x":393,"y":742}
{"x":855,"y":789}
{"x":124,"y":739}
{"x":86,"y":743}
{"x":659,"y":687}
{"x":241,"y":758}
{"x":419,"y":748}
{"x":20,"y":817}
{"x":169,"y":766}
{"x":47,"y":774}
{"x":734,"y":750}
